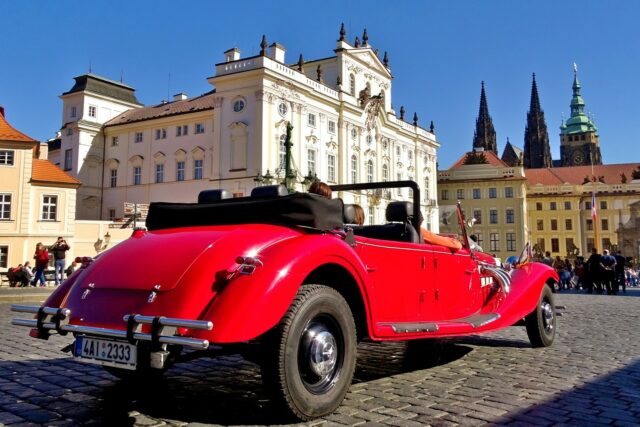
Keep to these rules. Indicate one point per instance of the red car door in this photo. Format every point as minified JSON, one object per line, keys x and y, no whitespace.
{"x":456,"y":285}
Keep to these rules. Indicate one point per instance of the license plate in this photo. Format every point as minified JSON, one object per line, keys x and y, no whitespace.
{"x":120,"y":354}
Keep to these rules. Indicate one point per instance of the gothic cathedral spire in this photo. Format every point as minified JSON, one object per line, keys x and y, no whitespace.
{"x":484,"y":135}
{"x":537,"y":153}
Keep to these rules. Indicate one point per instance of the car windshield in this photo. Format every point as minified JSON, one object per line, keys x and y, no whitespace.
{"x":449,"y":224}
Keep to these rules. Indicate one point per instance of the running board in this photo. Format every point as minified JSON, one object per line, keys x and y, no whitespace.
{"x":475,"y":321}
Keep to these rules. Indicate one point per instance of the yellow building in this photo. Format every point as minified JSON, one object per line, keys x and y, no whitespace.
{"x":491,"y":192}
{"x":560,"y":211}
{"x":38,"y":203}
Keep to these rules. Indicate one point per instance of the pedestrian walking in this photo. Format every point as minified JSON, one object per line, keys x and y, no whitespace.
{"x":59,"y":249}
{"x":41,"y":256}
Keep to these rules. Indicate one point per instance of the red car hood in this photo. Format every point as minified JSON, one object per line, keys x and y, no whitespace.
{"x":161,"y":258}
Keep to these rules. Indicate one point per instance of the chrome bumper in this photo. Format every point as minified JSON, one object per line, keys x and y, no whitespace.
{"x":163,"y":329}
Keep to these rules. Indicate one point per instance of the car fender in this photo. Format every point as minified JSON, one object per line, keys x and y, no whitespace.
{"x":249,"y":305}
{"x":527,"y":282}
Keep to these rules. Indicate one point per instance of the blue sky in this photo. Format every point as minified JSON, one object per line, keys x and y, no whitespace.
{"x":439,"y":53}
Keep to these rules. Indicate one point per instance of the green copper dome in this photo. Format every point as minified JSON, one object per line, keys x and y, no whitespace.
{"x":578,"y":122}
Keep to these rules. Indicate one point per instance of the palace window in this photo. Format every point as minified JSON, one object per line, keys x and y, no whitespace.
{"x":182,"y":130}
{"x":197,"y":169}
{"x":5,"y":206}
{"x":311,"y":161}
{"x":159,"y":173}
{"x":113,"y":179}
{"x":399,"y":178}
{"x":238,"y":105}
{"x":567,"y":206}
{"x":283,"y":109}
{"x":199,"y":128}
{"x":138,"y":137}
{"x":49,"y":208}
{"x":6,"y":157}
{"x":493,"y":216}
{"x":352,"y":84}
{"x":331,"y":126}
{"x":114,"y":141}
{"x":444,"y":194}
{"x":494,"y":242}
{"x":605,"y":225}
{"x":603,"y":204}
{"x":538,"y":206}
{"x":552,"y":206}
{"x":511,"y":242}
{"x":68,"y":159}
{"x":385,"y":172}
{"x":282,"y":152}
{"x":180,"y":170}
{"x":161,"y":134}
{"x":477,"y":214}
{"x":137,"y":175}
{"x":555,"y":245}
{"x":74,"y":112}
{"x":92,"y":111}
{"x":4,"y":256}
{"x":370,"y":171}
{"x":540,"y":225}
{"x":493,"y":193}
{"x":460,"y":193}
{"x":311,"y":120}
{"x":589,"y":225}
{"x":370,"y":215}
{"x":554,"y":224}
{"x":508,"y":192}
{"x":476,"y":193}
{"x":112,"y":214}
{"x":354,"y":169}
{"x":331,"y":168}
{"x":510,"y":217}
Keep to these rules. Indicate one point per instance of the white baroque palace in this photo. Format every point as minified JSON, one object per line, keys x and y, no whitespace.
{"x":344,"y":130}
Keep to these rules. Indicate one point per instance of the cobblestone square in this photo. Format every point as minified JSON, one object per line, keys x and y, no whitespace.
{"x":590,"y":376}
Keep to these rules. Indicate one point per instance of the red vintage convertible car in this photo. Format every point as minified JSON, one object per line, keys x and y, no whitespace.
{"x":285,"y":273}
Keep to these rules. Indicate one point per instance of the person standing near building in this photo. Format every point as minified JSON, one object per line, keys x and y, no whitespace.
{"x":620,"y":280}
{"x":593,"y":270}
{"x":42,"y":261}
{"x":608,"y":265}
{"x":547,"y":259}
{"x":59,"y":249}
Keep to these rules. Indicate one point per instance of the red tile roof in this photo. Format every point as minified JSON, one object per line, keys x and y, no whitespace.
{"x":576,"y":175}
{"x":492,"y":159}
{"x":9,"y":133}
{"x":199,"y":103}
{"x":45,"y":171}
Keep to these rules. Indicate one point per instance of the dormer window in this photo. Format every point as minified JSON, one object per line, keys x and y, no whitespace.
{"x":74,"y":112}
{"x":93,"y":111}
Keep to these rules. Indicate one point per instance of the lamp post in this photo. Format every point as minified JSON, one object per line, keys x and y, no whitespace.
{"x":290,"y":174}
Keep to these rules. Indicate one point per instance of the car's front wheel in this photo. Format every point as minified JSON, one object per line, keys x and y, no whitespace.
{"x":310,"y":356}
{"x":541,"y":322}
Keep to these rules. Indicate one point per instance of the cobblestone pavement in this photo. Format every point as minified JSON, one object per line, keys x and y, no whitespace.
{"x":590,"y":376}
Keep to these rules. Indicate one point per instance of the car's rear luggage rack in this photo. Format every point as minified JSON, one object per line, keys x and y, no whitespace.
{"x":163,"y":329}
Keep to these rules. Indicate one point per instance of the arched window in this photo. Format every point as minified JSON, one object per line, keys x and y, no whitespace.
{"x":370,"y":171}
{"x":426,"y":189}
{"x":385,"y":172}
{"x":352,"y":84}
{"x":354,"y":169}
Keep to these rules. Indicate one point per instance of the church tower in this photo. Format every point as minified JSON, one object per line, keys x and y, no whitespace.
{"x":579,"y":144}
{"x":537,"y":153}
{"x":485,"y":135}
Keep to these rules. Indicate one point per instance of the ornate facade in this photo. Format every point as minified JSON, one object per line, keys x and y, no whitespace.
{"x":344,"y":130}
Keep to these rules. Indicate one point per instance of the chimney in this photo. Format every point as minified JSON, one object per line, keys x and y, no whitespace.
{"x":277,"y":52}
{"x":43,"y":153}
{"x":232,"y":54}
{"x":180,"y":96}
{"x":1,"y":111}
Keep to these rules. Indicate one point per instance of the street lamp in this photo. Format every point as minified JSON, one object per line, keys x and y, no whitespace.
{"x":291,"y":176}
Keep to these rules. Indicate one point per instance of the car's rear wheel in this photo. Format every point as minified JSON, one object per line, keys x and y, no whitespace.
{"x":310,"y":356}
{"x":541,"y":322}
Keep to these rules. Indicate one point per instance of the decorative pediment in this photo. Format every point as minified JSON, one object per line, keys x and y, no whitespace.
{"x":180,"y":155}
{"x":331,"y":145}
{"x":136,"y":160}
{"x":386,"y":158}
{"x":113,"y":163}
{"x":285,"y":90}
{"x":410,"y":169}
{"x":159,"y":157}
{"x":197,"y":153}
{"x":311,"y":139}
{"x":370,"y":153}
{"x":355,"y":148}
{"x":399,"y":165}
{"x":366,"y":57}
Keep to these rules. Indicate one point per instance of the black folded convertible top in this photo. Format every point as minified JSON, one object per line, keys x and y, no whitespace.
{"x":303,"y":209}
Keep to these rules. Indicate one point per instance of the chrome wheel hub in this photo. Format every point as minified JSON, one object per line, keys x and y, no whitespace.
{"x":547,"y":316}
{"x":322,"y":351}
